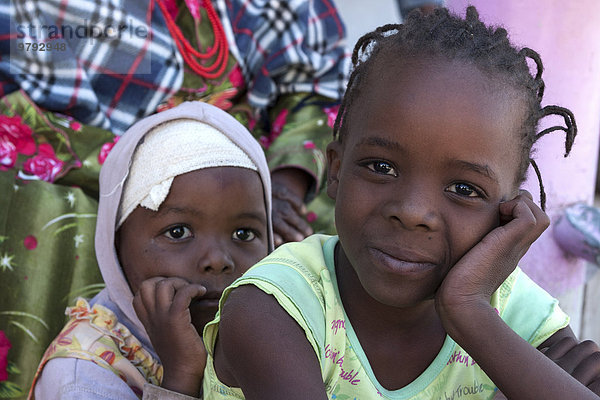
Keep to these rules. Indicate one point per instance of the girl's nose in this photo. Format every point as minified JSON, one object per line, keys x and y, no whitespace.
{"x":414,"y":207}
{"x":215,"y":259}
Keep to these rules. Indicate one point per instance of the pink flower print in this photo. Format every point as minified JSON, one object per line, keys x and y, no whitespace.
{"x":236,"y":78}
{"x":105,"y":150}
{"x":76,"y":126}
{"x":278,"y":124}
{"x":4,"y":347}
{"x":8,"y":154}
{"x":194,"y":7}
{"x":13,"y":130}
{"x":222,"y":99}
{"x":45,"y":166}
{"x":311,"y":217}
{"x":30,"y":242}
{"x":309,"y":145}
{"x":331,"y":113}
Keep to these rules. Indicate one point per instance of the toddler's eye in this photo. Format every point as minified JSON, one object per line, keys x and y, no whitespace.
{"x":178,"y":232}
{"x":382,"y":167}
{"x":463,"y":189}
{"x":243,"y":234}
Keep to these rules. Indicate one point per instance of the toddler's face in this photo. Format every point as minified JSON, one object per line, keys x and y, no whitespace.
{"x":209,"y":230}
{"x":431,"y":150}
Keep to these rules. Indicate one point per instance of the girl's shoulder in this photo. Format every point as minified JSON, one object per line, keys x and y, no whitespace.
{"x":527,"y":308}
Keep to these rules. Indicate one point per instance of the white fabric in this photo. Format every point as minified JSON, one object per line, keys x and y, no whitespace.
{"x":171,"y":149}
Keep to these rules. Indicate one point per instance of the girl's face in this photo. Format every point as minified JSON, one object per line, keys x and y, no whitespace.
{"x":209,"y":230}
{"x":431,"y":150}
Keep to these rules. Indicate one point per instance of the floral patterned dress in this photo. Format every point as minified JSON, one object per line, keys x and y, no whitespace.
{"x":49,"y":168}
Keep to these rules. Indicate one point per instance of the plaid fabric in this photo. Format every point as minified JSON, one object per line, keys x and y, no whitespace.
{"x":99,"y":79}
{"x":290,"y":46}
{"x":282,"y":47}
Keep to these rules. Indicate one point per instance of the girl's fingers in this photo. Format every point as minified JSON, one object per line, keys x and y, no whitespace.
{"x":525,"y":193}
{"x":524,"y":219}
{"x":595,"y":386}
{"x":165,"y":292}
{"x":560,"y":348}
{"x":585,"y":361}
{"x":588,"y":371}
{"x":185,"y":295}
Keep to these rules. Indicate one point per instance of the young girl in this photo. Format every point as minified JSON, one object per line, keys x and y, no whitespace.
{"x":420,"y":296}
{"x":184,"y":211}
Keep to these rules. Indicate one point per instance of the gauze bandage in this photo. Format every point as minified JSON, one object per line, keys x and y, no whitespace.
{"x":171,"y":149}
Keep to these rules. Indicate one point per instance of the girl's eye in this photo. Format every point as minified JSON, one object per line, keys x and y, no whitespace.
{"x":243,"y":234}
{"x":463,"y":189}
{"x":382,"y":167}
{"x":178,"y":232}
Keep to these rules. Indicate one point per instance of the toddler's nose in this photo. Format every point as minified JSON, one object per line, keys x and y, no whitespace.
{"x":215,"y":259}
{"x":414,"y":208}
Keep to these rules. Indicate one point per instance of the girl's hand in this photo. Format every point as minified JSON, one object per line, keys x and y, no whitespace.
{"x":580,"y":359}
{"x":474,"y":278}
{"x":162,"y":305}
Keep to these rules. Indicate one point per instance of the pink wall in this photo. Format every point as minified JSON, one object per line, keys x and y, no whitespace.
{"x":567,"y":36}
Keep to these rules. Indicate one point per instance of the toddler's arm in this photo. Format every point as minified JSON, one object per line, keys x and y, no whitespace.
{"x":463,"y":303}
{"x":263,"y":351}
{"x":162,"y":305}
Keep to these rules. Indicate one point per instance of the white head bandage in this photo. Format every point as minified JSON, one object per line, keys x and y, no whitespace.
{"x":171,"y":149}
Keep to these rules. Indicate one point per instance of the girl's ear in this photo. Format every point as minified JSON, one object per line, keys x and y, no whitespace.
{"x":334,"y":161}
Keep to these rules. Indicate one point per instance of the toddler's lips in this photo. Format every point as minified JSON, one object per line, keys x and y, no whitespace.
{"x":401,"y":264}
{"x":208,"y":300}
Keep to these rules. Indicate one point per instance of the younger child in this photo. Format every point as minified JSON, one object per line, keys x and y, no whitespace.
{"x":420,"y":296}
{"x":184,"y":210}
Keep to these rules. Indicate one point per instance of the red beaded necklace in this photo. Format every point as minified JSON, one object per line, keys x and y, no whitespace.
{"x":188,"y":52}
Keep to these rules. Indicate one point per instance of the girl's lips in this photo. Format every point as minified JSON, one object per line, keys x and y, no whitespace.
{"x":404,"y":265}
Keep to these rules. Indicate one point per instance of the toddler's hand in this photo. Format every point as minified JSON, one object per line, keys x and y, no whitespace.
{"x":162,"y":305}
{"x":475,"y":277}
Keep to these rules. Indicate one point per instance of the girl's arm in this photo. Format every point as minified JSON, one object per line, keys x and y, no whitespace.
{"x":262,"y":350}
{"x":463,"y":303}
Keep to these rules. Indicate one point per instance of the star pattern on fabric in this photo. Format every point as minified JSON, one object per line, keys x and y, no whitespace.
{"x":6,"y":262}
{"x":78,"y":240}
{"x":70,"y":198}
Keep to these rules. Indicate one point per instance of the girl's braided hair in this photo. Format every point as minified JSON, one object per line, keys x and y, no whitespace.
{"x":471,"y":41}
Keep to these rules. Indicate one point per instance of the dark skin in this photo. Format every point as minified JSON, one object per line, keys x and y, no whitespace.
{"x":431,"y":222}
{"x":178,"y":260}
{"x":289,"y":187}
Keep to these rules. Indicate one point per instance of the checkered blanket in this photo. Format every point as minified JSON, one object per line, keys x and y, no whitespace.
{"x":118,"y":62}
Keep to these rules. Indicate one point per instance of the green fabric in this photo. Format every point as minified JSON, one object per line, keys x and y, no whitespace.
{"x":346,"y":372}
{"x":47,"y":229}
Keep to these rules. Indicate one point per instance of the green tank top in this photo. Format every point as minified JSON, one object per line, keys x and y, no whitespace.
{"x":301,"y":276}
